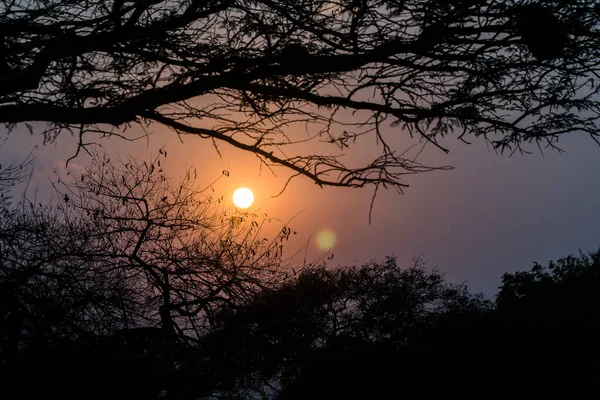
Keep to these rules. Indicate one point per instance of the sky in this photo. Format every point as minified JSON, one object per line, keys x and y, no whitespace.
{"x":489,"y":215}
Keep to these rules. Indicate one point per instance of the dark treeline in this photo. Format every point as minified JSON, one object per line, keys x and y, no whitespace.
{"x":131,"y":286}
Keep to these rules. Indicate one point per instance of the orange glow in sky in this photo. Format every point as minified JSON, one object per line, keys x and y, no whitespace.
{"x":444,"y":215}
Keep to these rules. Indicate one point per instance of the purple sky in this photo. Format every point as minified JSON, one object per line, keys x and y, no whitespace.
{"x":491,"y":214}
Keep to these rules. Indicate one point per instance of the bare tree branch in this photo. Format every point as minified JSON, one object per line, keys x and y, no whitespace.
{"x":250,"y":72}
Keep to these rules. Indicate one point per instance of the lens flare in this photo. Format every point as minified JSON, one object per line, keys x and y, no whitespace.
{"x":326,"y":239}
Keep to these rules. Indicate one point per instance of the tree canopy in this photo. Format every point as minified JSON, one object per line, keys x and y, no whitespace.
{"x":132,"y":285}
{"x":250,"y":73}
{"x":119,"y":275}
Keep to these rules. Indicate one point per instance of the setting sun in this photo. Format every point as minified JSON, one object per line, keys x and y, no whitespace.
{"x":243,"y":197}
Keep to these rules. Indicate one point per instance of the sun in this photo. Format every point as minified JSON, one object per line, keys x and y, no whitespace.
{"x":243,"y":197}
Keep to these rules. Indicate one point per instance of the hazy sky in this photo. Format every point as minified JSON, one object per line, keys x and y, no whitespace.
{"x":490,"y":215}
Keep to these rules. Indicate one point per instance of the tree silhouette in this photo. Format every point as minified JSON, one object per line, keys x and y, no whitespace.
{"x":252,"y":73}
{"x":132,"y":285}
{"x":550,"y":315}
{"x":119,"y":280}
{"x":377,"y":330}
{"x":176,"y":239}
{"x":340,"y":333}
{"x":137,"y":286}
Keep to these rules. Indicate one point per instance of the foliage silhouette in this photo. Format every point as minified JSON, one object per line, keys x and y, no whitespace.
{"x":551,"y":315}
{"x":376,"y":330}
{"x":254,"y":74}
{"x":97,"y":293}
{"x":348,"y":332}
{"x":119,"y":280}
